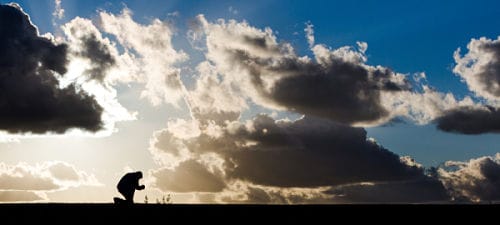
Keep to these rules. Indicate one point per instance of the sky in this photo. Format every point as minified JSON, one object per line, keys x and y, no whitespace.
{"x":250,"y":101}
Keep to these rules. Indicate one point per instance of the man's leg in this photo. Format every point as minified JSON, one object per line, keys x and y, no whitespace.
{"x":129,"y":196}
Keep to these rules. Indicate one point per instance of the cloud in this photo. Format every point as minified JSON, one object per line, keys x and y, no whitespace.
{"x":32,"y":100}
{"x":471,"y":120}
{"x":25,"y":182}
{"x":475,"y":180}
{"x":309,"y":34}
{"x":97,"y":66}
{"x":46,"y":176}
{"x":189,"y":176}
{"x":480,"y":67}
{"x":336,"y":84}
{"x":425,"y":106}
{"x":425,"y":190}
{"x":26,"y":178}
{"x":307,"y":153}
{"x":213,"y":99}
{"x":340,"y":154}
{"x":20,"y":196}
{"x":151,"y":46}
{"x":480,"y":70}
{"x":244,"y":192}
{"x":62,"y":171}
{"x":86,"y":42}
{"x":58,"y":11}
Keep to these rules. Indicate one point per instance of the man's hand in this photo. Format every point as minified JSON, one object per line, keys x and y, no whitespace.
{"x":141,"y":187}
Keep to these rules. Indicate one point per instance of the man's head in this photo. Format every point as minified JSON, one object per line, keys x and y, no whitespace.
{"x":139,"y":174}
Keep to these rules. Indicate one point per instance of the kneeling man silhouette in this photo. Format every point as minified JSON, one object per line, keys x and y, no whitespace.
{"x":127,"y":186}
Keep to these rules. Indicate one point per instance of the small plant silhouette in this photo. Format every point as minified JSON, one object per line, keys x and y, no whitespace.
{"x":165,"y":200}
{"x":145,"y":199}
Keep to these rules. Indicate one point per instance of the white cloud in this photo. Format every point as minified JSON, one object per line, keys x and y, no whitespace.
{"x":480,"y":68}
{"x":214,"y":99}
{"x":309,"y":34}
{"x":422,"y":107}
{"x":58,"y":11}
{"x":153,"y":53}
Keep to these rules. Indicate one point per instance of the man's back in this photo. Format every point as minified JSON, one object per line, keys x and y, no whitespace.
{"x":128,"y":182}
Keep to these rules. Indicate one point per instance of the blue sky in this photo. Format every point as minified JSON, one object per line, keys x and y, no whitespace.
{"x":406,"y":36}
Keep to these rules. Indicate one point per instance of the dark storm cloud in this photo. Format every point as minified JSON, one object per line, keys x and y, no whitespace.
{"x":310,"y":153}
{"x":470,"y":120}
{"x":339,"y":90}
{"x":30,"y":97}
{"x":476,"y":180}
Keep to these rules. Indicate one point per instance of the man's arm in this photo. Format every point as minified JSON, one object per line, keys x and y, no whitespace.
{"x":139,"y":187}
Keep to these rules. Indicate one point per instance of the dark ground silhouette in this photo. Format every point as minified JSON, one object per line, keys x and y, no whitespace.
{"x":93,"y":213}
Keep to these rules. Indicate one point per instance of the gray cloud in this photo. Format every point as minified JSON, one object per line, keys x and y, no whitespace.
{"x":64,"y":171}
{"x":19,"y":196}
{"x":470,"y":120}
{"x":241,"y":192}
{"x":475,"y":180}
{"x":426,"y":190}
{"x":31,"y":99}
{"x":189,"y":176}
{"x":25,"y":180}
{"x":343,"y":91}
{"x":99,"y":55}
{"x":311,"y":152}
